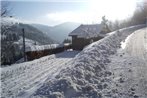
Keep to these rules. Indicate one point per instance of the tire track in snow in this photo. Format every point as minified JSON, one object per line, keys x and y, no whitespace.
{"x":129,"y":67}
{"x":137,"y":44}
{"x":35,"y":75}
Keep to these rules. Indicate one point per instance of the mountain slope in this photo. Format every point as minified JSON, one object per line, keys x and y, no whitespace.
{"x":11,"y":39}
{"x":58,"y":32}
{"x":31,"y":32}
{"x":44,"y":28}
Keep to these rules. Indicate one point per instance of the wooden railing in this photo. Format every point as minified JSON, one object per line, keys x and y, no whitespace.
{"x":31,"y":55}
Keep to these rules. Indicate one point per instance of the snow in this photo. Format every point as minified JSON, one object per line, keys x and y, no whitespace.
{"x":123,"y":44}
{"x":145,"y":40}
{"x":28,"y":42}
{"x":22,"y":79}
{"x":31,"y":47}
{"x":136,"y":45}
{"x":9,"y":21}
{"x":130,"y":65}
{"x":67,"y":44}
{"x":91,"y":73}
{"x":42,"y":47}
{"x":87,"y":31}
{"x":13,"y":20}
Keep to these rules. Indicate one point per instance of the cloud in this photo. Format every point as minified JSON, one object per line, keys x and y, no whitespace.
{"x":94,"y":10}
{"x":80,"y":17}
{"x":113,"y":9}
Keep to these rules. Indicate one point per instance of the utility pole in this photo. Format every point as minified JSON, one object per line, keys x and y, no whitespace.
{"x":23,"y":34}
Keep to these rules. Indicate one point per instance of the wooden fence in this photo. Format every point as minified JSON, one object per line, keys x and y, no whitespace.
{"x":31,"y":55}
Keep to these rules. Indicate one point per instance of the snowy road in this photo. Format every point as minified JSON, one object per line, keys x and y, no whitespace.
{"x":129,"y":66}
{"x":137,"y":44}
{"x":22,"y":79}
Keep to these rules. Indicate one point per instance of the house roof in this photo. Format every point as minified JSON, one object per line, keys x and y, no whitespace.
{"x":87,"y":31}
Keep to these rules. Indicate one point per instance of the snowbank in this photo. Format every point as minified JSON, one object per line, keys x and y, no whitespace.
{"x":124,"y":43}
{"x":24,"y":78}
{"x":88,"y":76}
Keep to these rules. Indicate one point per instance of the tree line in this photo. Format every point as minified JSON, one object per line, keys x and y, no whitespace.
{"x":139,"y":17}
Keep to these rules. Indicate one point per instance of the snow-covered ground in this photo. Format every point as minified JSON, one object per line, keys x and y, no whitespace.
{"x":129,"y":66}
{"x":137,"y":44}
{"x":102,"y":70}
{"x":90,"y":74}
{"x":22,"y":79}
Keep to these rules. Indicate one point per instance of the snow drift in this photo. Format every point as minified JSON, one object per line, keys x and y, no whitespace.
{"x":88,"y":76}
{"x":21,"y":80}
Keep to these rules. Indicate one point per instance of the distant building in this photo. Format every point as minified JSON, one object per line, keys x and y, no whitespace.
{"x":85,"y":34}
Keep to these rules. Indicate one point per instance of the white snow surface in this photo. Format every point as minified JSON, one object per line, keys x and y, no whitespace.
{"x":41,"y":47}
{"x":20,"y":80}
{"x":9,"y":21}
{"x":88,"y":75}
{"x":124,"y":43}
{"x":129,"y":66}
{"x":12,"y":20}
{"x":87,"y":31}
{"x":28,"y":43}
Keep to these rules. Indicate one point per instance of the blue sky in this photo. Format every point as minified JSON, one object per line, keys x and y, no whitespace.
{"x":32,"y":9}
{"x":81,"y":11}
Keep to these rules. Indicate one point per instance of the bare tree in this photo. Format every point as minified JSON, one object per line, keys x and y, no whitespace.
{"x":105,"y":23}
{"x":5,"y":9}
{"x":7,"y":47}
{"x":140,"y":14}
{"x":139,"y":17}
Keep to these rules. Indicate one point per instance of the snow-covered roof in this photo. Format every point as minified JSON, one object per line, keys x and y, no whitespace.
{"x":41,"y":47}
{"x":87,"y":31}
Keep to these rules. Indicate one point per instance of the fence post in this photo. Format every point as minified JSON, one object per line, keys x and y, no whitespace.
{"x":23,"y":34}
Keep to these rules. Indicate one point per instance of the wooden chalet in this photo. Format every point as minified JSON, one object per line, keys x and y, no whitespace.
{"x":85,"y":34}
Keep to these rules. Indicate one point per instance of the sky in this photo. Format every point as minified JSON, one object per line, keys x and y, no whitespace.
{"x":53,"y":12}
